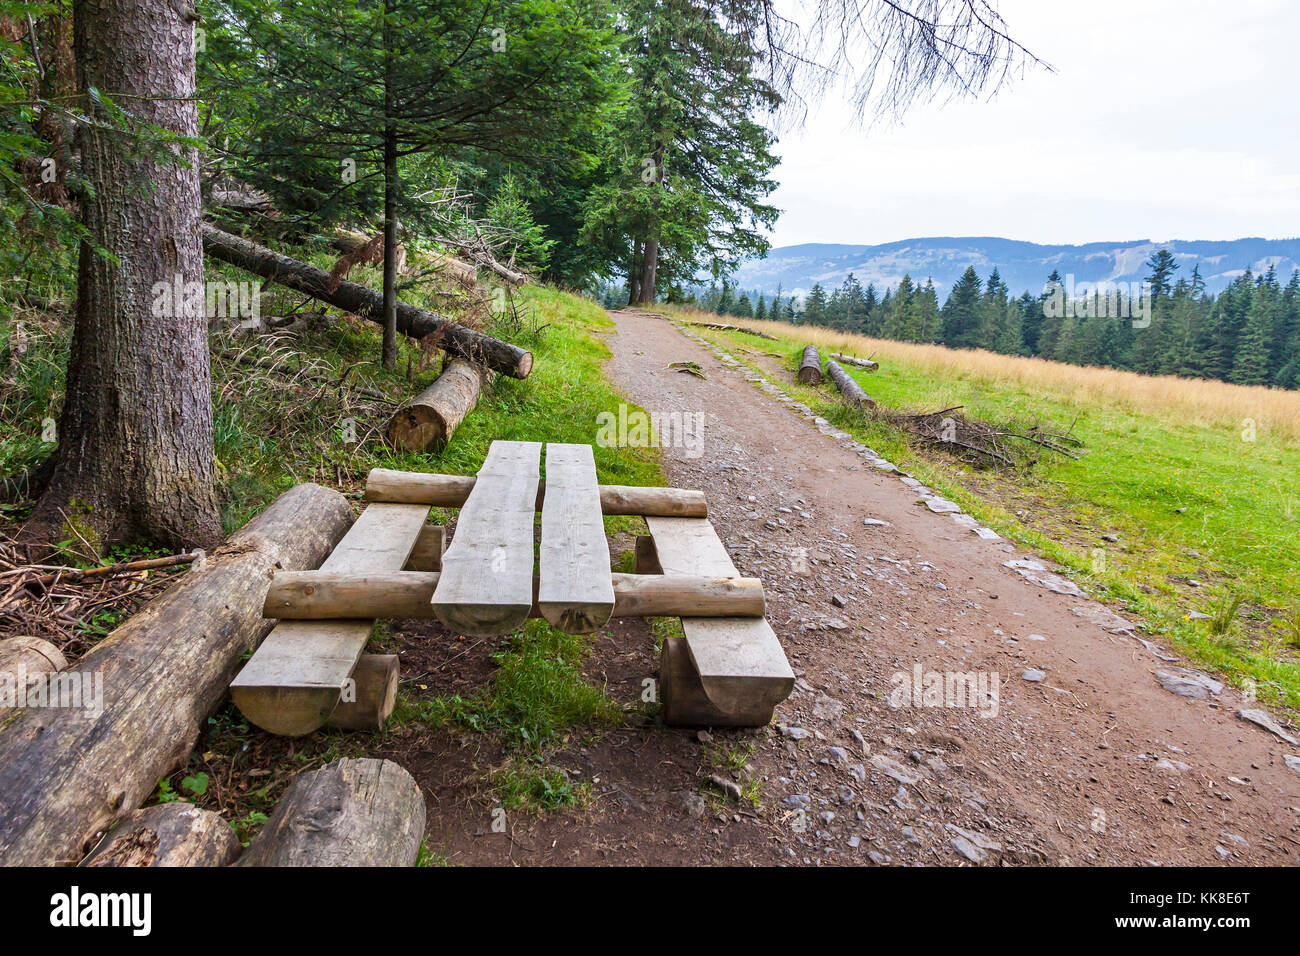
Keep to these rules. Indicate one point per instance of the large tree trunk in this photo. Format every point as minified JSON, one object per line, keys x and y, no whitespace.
{"x":135,"y":459}
{"x":649,"y":265}
{"x":634,"y":274}
{"x":390,"y":199}
{"x":66,"y":773}
{"x":417,"y":323}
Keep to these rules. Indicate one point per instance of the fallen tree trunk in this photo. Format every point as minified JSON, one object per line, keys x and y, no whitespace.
{"x":451,"y":491}
{"x":169,"y":834}
{"x":810,"y":366}
{"x":66,"y":773}
{"x":867,"y":364}
{"x":398,"y":595}
{"x":349,"y":813}
{"x":417,"y":323}
{"x":849,"y":389}
{"x":430,"y":419}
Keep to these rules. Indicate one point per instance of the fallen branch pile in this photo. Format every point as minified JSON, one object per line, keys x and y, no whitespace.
{"x":719,"y":327}
{"x":983,"y":444}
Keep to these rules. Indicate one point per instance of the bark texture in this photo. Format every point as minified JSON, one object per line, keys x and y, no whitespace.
{"x":135,"y":459}
{"x":349,"y":813}
{"x":168,"y":834}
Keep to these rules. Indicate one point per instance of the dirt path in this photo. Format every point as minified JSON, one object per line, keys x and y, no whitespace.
{"x":1088,"y":759}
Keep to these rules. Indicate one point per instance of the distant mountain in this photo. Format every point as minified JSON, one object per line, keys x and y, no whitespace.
{"x":1024,"y":265}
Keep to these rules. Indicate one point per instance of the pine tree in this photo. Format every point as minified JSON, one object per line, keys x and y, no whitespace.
{"x":960,"y":312}
{"x":814,"y":306}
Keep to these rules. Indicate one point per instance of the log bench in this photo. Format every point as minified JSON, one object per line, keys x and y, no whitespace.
{"x":724,"y":671}
{"x":728,"y":670}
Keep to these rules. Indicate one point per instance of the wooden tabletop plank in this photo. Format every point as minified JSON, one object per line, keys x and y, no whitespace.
{"x":486,"y":586}
{"x":293,"y":682}
{"x":575,"y":592}
{"x":739,"y":659}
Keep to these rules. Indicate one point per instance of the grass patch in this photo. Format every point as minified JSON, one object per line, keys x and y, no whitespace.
{"x":538,"y":694}
{"x":1195,"y":479}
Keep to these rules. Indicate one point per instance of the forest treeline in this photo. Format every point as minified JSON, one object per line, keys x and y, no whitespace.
{"x":1248,"y":334}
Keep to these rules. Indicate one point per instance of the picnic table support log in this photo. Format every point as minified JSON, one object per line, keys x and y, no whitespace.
{"x":810,"y":366}
{"x":417,"y":323}
{"x":349,"y":813}
{"x":430,"y":419}
{"x":295,"y":681}
{"x":168,"y":834}
{"x":66,"y":773}
{"x":429,"y":546}
{"x":398,"y":595}
{"x":375,"y":693}
{"x":850,"y":390}
{"x":451,"y":491}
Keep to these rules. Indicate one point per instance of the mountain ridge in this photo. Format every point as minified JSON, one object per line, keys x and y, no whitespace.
{"x":1024,"y":265}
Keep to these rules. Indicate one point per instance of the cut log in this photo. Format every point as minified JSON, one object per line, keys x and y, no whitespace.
{"x":867,"y":364}
{"x":67,"y":773}
{"x":349,"y":813}
{"x":739,"y":670}
{"x":374,"y":694}
{"x":21,"y":659}
{"x":452,"y":491}
{"x":339,"y":595}
{"x":662,"y":595}
{"x":574,"y":592}
{"x":417,"y":323}
{"x":330,"y":595}
{"x":810,"y":366}
{"x":486,"y":585}
{"x":850,"y":390}
{"x":33,"y":655}
{"x":430,"y":419}
{"x":169,"y":834}
{"x":295,"y":680}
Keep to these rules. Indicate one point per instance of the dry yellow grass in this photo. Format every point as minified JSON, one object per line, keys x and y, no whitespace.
{"x":1185,"y":400}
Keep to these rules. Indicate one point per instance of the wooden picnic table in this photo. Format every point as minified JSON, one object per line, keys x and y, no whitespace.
{"x":728,"y":668}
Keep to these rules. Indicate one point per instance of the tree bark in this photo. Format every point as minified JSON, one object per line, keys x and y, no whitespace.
{"x":390,"y":199}
{"x":67,"y":773}
{"x":634,"y":274}
{"x":417,"y":323}
{"x":432,"y":417}
{"x":168,"y":834}
{"x":649,"y":265}
{"x":349,"y":813}
{"x":135,"y":460}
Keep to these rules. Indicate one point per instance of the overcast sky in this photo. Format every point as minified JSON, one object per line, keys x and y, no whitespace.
{"x":1165,"y":119}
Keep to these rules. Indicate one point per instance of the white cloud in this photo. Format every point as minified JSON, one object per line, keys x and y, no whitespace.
{"x":1164,"y":120}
